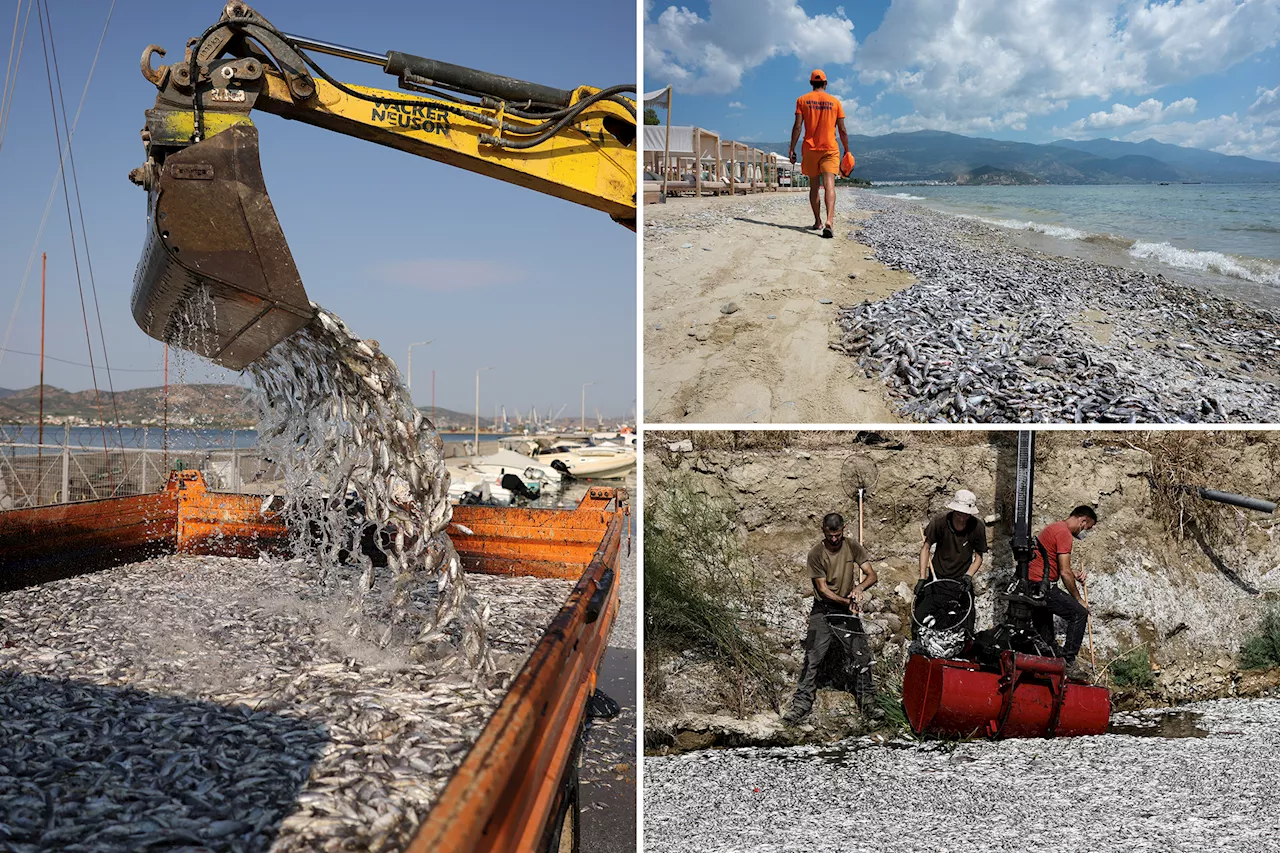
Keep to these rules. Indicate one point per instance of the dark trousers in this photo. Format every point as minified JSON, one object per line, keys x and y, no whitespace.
{"x":1058,"y":602}
{"x":828,"y":622}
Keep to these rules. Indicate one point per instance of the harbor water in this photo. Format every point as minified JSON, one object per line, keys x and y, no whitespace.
{"x":1222,"y":236}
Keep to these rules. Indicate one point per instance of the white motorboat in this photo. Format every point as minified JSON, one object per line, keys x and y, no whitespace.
{"x":468,"y":485}
{"x":500,"y":488}
{"x":509,"y":462}
{"x":592,"y":463}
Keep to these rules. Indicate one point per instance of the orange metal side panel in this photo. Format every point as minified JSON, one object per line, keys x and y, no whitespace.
{"x":536,"y":542}
{"x":484,"y":564}
{"x":501,"y":797}
{"x":45,"y":543}
{"x":228,"y":525}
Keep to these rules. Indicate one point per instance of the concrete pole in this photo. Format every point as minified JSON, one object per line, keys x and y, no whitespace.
{"x":476,"y":448}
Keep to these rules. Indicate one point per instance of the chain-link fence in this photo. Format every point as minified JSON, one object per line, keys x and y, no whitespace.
{"x":41,"y":474}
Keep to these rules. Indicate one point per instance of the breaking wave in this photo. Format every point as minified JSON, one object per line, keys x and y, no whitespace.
{"x":1248,"y":269}
{"x":908,"y":196}
{"x":1062,"y":232}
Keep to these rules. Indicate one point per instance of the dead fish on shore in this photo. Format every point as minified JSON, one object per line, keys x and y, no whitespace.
{"x":990,"y":334}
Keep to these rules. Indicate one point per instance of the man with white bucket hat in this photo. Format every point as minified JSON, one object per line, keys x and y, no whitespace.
{"x":957,"y":539}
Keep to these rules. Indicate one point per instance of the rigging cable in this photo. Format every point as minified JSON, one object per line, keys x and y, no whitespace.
{"x":48,"y":204}
{"x":6,"y":102}
{"x":75,"y":255}
{"x":84,"y":234}
{"x":82,"y":364}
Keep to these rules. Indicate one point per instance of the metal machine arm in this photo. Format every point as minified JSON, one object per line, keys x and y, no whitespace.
{"x":213,"y":237}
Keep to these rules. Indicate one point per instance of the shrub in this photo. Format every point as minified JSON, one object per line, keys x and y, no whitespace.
{"x":1262,"y":650}
{"x":1133,"y":669}
{"x":694,"y":596}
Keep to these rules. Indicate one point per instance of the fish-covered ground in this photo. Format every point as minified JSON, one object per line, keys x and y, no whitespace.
{"x":222,"y":704}
{"x":608,"y":772}
{"x":994,"y":332}
{"x":1112,"y":792}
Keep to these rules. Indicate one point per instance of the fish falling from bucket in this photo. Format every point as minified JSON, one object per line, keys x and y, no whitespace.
{"x":335,"y":417}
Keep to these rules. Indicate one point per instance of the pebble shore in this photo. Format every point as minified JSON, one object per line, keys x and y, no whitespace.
{"x":1111,"y":792}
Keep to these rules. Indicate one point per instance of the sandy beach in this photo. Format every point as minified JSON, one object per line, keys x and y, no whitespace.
{"x":769,"y":361}
{"x":946,"y":320}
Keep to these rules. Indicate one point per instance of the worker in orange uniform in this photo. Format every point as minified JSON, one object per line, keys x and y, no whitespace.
{"x":821,"y":115}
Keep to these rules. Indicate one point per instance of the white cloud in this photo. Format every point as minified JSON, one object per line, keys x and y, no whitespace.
{"x":737,"y":105}
{"x":977,"y":58}
{"x":841,"y":87}
{"x":1267,"y":108}
{"x":709,"y":56}
{"x":1121,"y":115}
{"x":1226,"y":134}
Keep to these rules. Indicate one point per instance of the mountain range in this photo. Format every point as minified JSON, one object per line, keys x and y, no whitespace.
{"x":932,"y":155}
{"x":201,"y":405}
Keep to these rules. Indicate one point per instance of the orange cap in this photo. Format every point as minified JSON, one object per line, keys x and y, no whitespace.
{"x":846,"y":164}
{"x":817,"y":76}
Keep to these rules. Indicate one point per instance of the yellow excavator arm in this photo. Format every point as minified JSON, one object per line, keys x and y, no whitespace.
{"x":216,"y":276}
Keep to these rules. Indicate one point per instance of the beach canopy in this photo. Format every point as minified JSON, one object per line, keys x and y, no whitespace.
{"x":660,"y":98}
{"x":681,"y":140}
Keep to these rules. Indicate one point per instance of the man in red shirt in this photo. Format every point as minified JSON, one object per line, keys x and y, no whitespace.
{"x":1054,"y":543}
{"x":821,"y":116}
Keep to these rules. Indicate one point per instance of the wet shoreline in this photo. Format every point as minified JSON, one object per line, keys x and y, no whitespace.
{"x":993,"y":332}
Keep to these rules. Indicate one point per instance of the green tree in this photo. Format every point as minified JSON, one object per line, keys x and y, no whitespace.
{"x":651,"y":116}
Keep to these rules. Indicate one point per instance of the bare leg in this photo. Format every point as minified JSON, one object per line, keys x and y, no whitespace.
{"x":829,"y":182}
{"x":815,"y":204}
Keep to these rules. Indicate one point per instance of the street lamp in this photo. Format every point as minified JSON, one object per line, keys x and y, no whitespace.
{"x":584,"y":404}
{"x":410,"y":366}
{"x":476,"y":447}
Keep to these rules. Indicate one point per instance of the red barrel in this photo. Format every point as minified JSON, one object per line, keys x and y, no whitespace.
{"x":956,"y":698}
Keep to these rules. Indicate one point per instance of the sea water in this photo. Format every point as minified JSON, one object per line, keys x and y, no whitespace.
{"x":1222,"y":236}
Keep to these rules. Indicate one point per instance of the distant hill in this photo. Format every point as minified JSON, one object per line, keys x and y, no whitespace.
{"x":989,"y":176}
{"x":1197,"y":163}
{"x":204,"y":405}
{"x":932,"y":155}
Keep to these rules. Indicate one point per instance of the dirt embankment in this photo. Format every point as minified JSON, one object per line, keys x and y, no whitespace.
{"x":1152,"y":584}
{"x":768,"y":361}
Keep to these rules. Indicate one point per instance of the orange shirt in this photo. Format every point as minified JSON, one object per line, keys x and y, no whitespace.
{"x":1057,"y":539}
{"x":820,"y":112}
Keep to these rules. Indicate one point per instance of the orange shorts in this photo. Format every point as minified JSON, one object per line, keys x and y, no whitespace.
{"x":816,"y":163}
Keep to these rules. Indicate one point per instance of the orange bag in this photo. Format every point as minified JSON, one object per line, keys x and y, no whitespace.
{"x":846,"y":165}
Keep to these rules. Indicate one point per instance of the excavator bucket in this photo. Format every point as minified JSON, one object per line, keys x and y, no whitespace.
{"x":1029,"y":697}
{"x":216,"y":275}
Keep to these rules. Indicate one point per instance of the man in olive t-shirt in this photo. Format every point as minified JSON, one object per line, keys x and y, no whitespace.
{"x":837,"y":594}
{"x":958,"y":539}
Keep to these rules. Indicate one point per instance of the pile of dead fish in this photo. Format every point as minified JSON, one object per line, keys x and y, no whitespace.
{"x":1109,"y":792}
{"x":222,"y":704}
{"x":989,"y":334}
{"x":335,"y":416}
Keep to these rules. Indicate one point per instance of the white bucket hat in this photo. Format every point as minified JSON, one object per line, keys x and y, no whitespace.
{"x":965,"y":501}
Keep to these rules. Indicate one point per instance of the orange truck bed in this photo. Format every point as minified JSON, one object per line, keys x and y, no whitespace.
{"x":506,"y":795}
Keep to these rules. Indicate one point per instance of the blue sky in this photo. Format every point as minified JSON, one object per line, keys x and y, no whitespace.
{"x":403,"y":248}
{"x":1203,"y":73}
